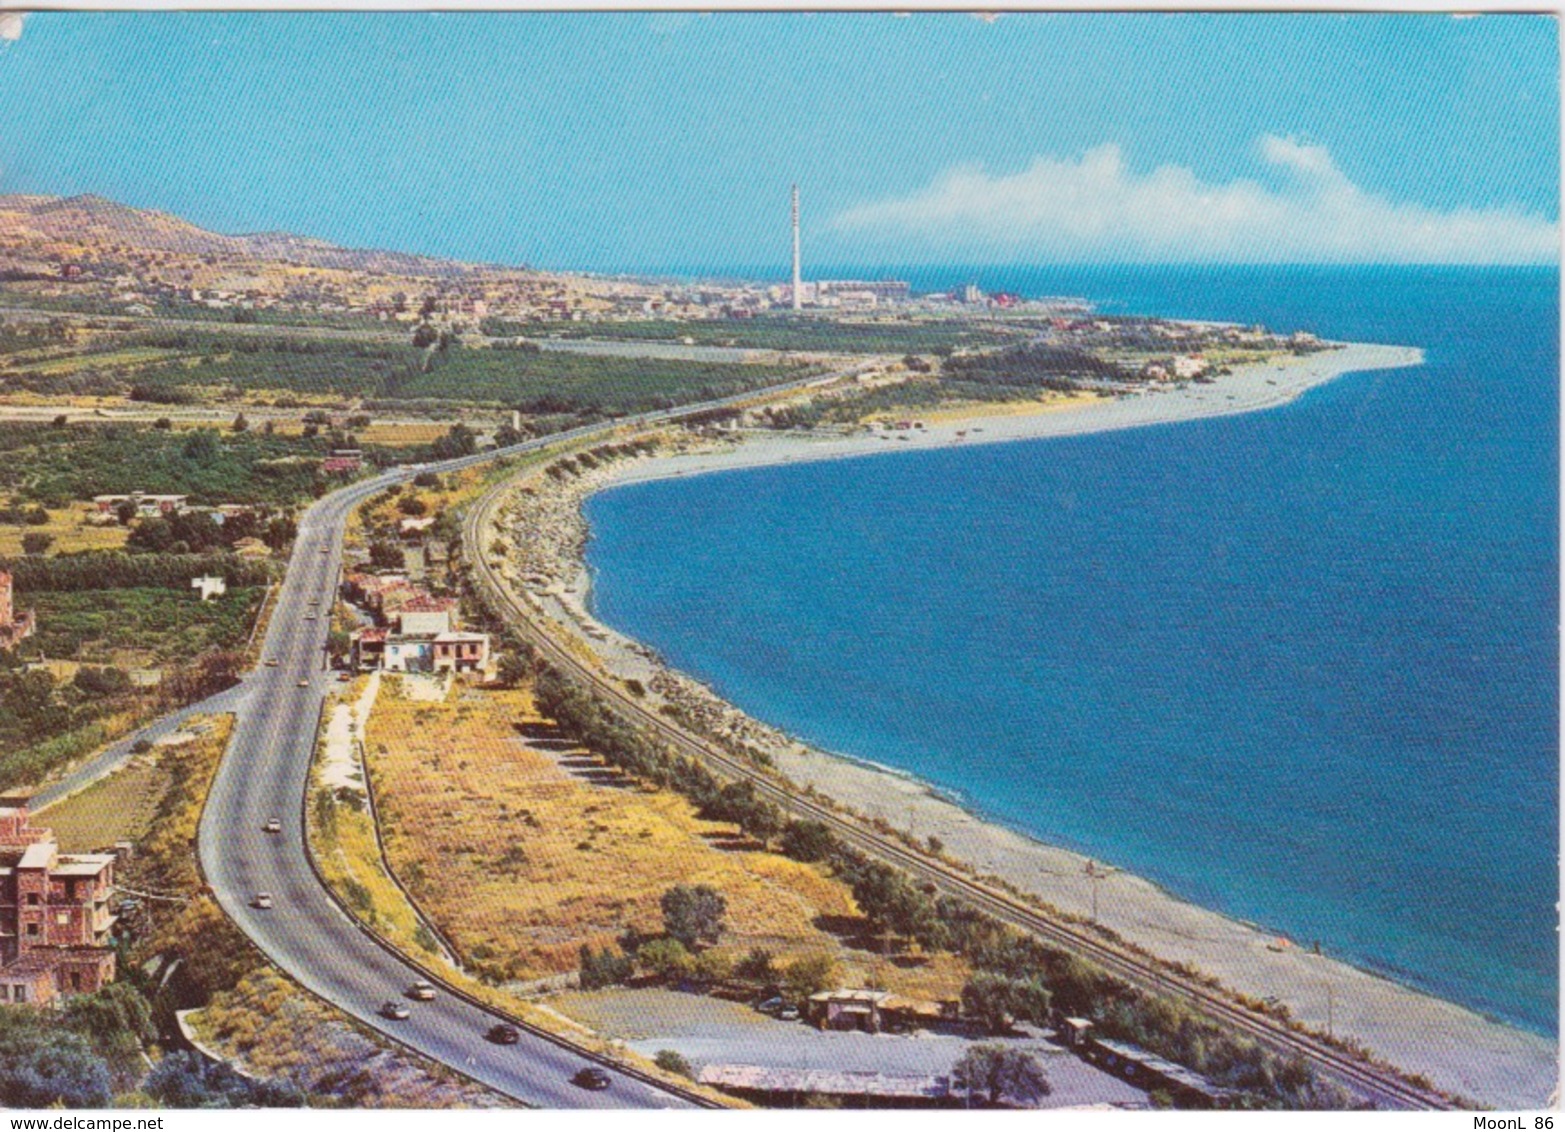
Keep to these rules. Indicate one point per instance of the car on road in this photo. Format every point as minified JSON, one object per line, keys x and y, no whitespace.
{"x":503,"y":1034}
{"x":421,"y":991}
{"x":304,"y":683}
{"x":315,"y":601}
{"x":309,"y":617}
{"x":770,"y":1006}
{"x":344,"y":677}
{"x":590,"y":1077}
{"x":273,"y":825}
{"x":789,"y":1014}
{"x":325,"y":550}
{"x":271,"y":662}
{"x":263,"y":900}
{"x":396,"y":1011}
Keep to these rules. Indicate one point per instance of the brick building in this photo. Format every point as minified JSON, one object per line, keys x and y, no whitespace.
{"x":54,"y":913}
{"x":14,"y":626}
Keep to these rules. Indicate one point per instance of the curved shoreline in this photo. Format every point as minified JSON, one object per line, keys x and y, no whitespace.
{"x":1455,"y":1047}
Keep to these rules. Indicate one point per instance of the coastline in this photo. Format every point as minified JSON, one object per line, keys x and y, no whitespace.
{"x":1248,"y":389}
{"x":1453,"y":1046}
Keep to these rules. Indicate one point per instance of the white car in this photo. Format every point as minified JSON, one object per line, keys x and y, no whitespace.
{"x":273,"y":825}
{"x":422,"y":991}
{"x":263,"y":900}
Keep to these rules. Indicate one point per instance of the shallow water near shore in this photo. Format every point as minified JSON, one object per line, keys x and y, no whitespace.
{"x":1298,"y":665}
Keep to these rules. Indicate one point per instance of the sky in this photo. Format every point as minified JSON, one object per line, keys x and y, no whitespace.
{"x":668,"y":141}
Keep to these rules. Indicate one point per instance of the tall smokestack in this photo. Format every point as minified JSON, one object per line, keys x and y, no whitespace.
{"x":796,"y":247}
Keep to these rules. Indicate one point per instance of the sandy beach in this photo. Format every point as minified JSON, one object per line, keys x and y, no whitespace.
{"x":1495,"y":1064}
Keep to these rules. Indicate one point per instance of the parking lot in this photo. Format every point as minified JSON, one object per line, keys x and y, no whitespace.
{"x":710,"y":1030}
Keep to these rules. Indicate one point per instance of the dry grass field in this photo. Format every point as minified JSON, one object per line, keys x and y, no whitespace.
{"x":119,"y":808}
{"x":522,"y":853}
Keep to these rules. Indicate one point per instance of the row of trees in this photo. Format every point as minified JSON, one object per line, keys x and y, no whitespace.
{"x":198,"y":533}
{"x":1017,"y":976}
{"x":111,"y":569}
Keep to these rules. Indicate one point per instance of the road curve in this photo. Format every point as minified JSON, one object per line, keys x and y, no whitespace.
{"x":1379,"y":1086}
{"x":265,"y":774}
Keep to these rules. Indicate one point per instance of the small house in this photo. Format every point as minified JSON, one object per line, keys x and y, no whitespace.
{"x":848,"y":1010}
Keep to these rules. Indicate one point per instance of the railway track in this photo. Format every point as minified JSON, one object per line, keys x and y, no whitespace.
{"x":1378,"y":1086}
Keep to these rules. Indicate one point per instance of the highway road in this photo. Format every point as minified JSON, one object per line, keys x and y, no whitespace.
{"x":264,"y":774}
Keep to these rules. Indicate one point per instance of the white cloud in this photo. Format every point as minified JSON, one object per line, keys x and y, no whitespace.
{"x":1095,"y":207}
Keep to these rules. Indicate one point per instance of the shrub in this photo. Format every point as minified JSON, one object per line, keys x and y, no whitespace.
{"x":671,"y":1061}
{"x":666,"y":958}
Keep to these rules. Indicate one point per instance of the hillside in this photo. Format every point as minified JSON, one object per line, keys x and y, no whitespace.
{"x":91,"y":226}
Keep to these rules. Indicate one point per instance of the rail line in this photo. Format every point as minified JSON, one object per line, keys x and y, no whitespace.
{"x":1379,"y":1086}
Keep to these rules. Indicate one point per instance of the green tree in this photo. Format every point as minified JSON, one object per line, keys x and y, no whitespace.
{"x":460,"y":441}
{"x":512,"y":669}
{"x":757,"y":966}
{"x":665,"y":957}
{"x":693,"y":914}
{"x":35,"y":543}
{"x":996,"y":1000}
{"x":806,"y":841}
{"x":241,"y":423}
{"x":280,"y":531}
{"x":1000,"y":1072}
{"x":385,"y":555}
{"x":202,"y":446}
{"x":41,"y":1066}
{"x":603,"y":968}
{"x":810,"y":974}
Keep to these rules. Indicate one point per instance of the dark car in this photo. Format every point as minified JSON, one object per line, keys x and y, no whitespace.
{"x":503,"y":1034}
{"x":590,"y":1077}
{"x":396,"y":1011}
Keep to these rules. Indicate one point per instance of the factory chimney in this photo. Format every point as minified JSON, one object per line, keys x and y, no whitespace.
{"x":795,"y":247}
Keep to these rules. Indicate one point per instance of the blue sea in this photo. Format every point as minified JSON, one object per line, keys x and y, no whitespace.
{"x":1299,"y":665}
